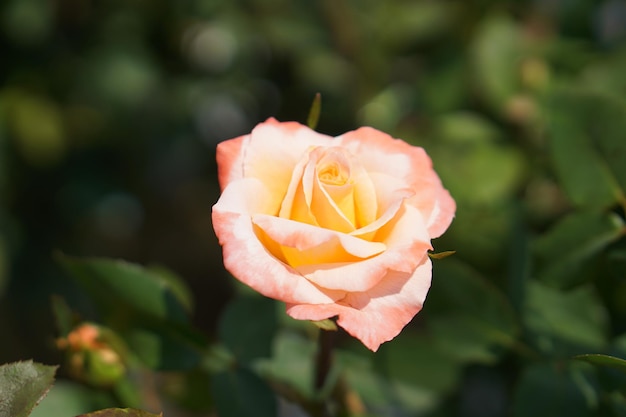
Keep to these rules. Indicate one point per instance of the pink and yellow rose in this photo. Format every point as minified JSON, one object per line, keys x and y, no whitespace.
{"x":332,"y":226}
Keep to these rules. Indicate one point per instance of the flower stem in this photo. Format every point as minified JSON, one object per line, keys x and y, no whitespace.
{"x":323,"y":363}
{"x":323,"y":360}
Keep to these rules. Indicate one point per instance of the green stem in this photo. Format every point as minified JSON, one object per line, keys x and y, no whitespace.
{"x":323,"y":360}
{"x":323,"y":363}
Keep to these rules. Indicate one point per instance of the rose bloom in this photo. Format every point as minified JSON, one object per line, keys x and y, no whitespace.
{"x":331,"y":226}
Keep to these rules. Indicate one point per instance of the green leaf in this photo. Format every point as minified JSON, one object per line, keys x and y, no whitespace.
{"x":116,"y":285}
{"x":63,"y":315}
{"x":247,"y":327}
{"x":441,"y":255}
{"x":565,"y":323}
{"x":68,"y":398}
{"x":586,"y":143}
{"x":291,"y":363}
{"x":416,"y":360}
{"x":120,"y":412}
{"x":548,"y":390}
{"x":314,"y":112}
{"x":496,"y":54}
{"x":382,"y":394}
{"x":603,"y":360}
{"x":176,"y":284}
{"x":567,"y":251}
{"x":165,"y":346}
{"x":22,"y":386}
{"x":241,"y":393}
{"x":465,"y":329}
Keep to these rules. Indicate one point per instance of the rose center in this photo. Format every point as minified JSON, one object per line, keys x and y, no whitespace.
{"x":333,"y":174}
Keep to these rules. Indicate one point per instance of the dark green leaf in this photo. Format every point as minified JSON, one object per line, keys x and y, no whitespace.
{"x":247,"y":327}
{"x":466,"y":329}
{"x":565,"y":322}
{"x":383,"y":395}
{"x":176,"y":284}
{"x":164,"y":346}
{"x":241,"y":393}
{"x":417,"y":361}
{"x":115,"y":286}
{"x":62,"y":315}
{"x":120,"y":412}
{"x":112,"y":283}
{"x":567,"y":251}
{"x":67,"y":399}
{"x":548,"y":390}
{"x":586,"y":142}
{"x":292,"y":363}
{"x":22,"y":386}
{"x":314,"y":112}
{"x":603,"y":360}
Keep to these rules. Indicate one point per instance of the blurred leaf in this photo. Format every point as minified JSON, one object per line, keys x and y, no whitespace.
{"x":586,"y":142}
{"x":241,"y":393}
{"x":22,"y":386}
{"x":114,"y":285}
{"x":496,"y":54}
{"x":291,"y":363}
{"x":418,"y":362}
{"x":567,"y":250}
{"x":165,"y":346}
{"x":548,"y":390}
{"x":416,"y":21}
{"x":603,"y":360}
{"x":120,"y":412}
{"x":461,"y":128}
{"x":386,"y":109}
{"x":63,"y":316}
{"x":190,"y":390}
{"x":476,"y":168}
{"x":27,"y":22}
{"x":41,"y":143}
{"x":314,"y":112}
{"x":565,"y":322}
{"x":70,"y":399}
{"x":383,"y":395}
{"x":247,"y":327}
{"x":176,"y":284}
{"x":463,"y":328}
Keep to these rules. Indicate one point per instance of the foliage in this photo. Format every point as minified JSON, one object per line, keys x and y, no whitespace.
{"x":109,"y":117}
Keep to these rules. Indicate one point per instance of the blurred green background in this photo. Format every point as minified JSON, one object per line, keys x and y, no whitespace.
{"x":110,"y":113}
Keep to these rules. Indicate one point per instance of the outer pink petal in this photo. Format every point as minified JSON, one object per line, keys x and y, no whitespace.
{"x":378,"y":315}
{"x":248,"y":259}
{"x":379,"y":152}
{"x":230,"y":160}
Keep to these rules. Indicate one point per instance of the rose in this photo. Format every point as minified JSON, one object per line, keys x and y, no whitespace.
{"x":331,"y":226}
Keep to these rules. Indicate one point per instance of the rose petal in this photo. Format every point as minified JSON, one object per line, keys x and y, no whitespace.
{"x":245,"y":255}
{"x":441,"y":214}
{"x":406,"y":240}
{"x":378,"y":315}
{"x":273,"y":151}
{"x":303,"y":244}
{"x":230,"y":160}
{"x":407,"y":163}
